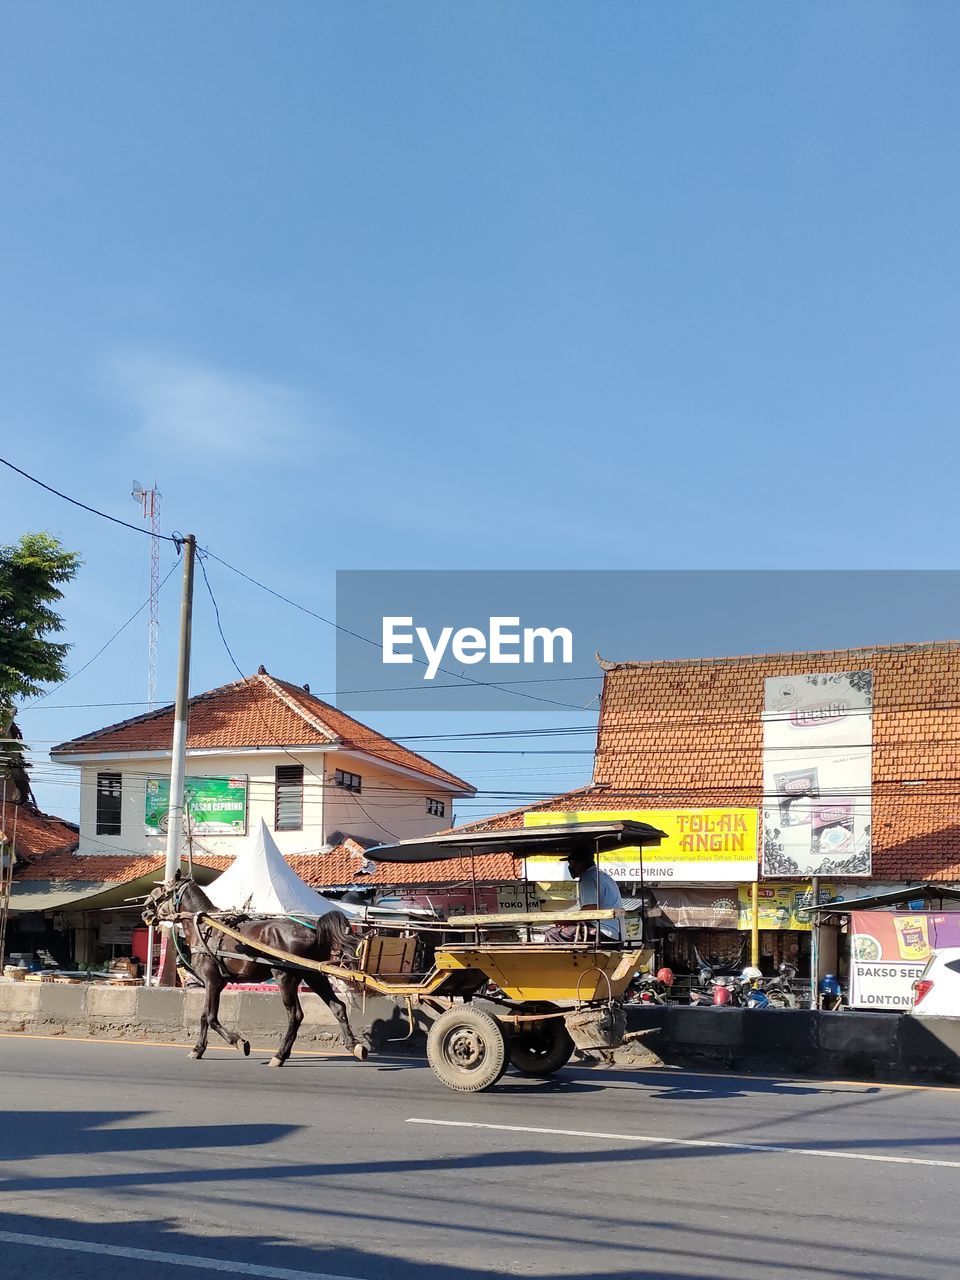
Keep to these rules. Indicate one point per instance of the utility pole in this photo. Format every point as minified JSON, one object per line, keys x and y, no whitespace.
{"x":167,"y":976}
{"x":178,"y":763}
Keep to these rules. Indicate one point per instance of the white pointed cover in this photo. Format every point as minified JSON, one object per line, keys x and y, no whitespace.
{"x":261,"y":881}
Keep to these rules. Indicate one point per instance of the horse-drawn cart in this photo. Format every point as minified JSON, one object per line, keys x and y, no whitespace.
{"x":494,"y":995}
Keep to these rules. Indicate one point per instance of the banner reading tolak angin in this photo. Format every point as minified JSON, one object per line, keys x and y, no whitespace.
{"x":817,"y":760}
{"x":711,"y":845}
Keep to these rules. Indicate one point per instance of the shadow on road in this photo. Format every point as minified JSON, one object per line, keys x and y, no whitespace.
{"x":30,"y":1135}
{"x":88,"y":1250}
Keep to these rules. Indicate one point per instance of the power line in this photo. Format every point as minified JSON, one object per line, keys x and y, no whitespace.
{"x":30,"y":706}
{"x":85,"y":507}
{"x":468,"y":680}
{"x":244,"y":678}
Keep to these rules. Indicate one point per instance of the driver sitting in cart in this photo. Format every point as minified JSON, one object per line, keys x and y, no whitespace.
{"x":595,"y":889}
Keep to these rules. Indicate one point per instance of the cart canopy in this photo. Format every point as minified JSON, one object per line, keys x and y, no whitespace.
{"x":523,"y":842}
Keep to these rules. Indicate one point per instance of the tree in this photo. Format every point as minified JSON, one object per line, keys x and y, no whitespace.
{"x":32,"y":573}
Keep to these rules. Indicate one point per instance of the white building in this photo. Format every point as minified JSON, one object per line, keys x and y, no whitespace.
{"x":258,"y":748}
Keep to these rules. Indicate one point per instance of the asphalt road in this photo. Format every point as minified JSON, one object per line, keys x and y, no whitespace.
{"x":124,"y":1159}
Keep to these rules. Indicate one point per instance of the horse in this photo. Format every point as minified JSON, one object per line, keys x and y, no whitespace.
{"x":217,"y":959}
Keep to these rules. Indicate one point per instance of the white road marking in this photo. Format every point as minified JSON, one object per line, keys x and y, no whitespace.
{"x":171,"y":1259}
{"x":691,"y":1142}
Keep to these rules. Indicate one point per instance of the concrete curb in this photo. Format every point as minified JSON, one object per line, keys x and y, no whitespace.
{"x":892,"y":1047}
{"x":855,"y":1046}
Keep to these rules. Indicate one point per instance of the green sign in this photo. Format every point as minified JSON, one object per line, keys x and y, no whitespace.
{"x":215,"y":806}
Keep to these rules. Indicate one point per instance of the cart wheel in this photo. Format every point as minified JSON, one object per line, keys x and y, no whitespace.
{"x":467,"y":1049}
{"x":541,"y":1048}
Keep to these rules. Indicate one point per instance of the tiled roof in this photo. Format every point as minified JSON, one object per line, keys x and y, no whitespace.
{"x":341,"y":867}
{"x":35,"y":833}
{"x":112,"y":868}
{"x":690,"y":733}
{"x":259,"y":711}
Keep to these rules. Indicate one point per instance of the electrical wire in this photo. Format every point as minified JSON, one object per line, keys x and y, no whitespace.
{"x":467,"y":680}
{"x":216,"y":610}
{"x":85,"y":507}
{"x":32,"y":706}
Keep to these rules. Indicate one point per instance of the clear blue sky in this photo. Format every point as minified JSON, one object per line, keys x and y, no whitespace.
{"x":490,"y":285}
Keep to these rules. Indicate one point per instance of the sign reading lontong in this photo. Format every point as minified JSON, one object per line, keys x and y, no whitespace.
{"x":702,"y":845}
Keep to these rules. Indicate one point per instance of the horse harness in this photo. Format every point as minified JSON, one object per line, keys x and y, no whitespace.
{"x":205,"y":929}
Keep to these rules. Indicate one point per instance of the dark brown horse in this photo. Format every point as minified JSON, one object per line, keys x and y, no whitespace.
{"x":217,"y":959}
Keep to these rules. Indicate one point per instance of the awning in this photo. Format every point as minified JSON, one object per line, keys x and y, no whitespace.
{"x":523,"y":842}
{"x":700,"y":908}
{"x":89,"y":895}
{"x":890,"y":898}
{"x":48,"y":895}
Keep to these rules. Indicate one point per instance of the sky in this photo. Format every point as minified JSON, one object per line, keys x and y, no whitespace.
{"x":480,"y":286}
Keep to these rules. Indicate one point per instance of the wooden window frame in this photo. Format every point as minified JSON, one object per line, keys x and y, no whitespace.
{"x":293,"y":778}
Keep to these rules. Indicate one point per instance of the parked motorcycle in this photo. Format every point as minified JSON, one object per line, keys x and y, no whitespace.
{"x":717,"y":990}
{"x":768,"y":993}
{"x":649,"y":988}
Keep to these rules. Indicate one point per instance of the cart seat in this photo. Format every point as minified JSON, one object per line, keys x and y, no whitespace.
{"x":387,"y":956}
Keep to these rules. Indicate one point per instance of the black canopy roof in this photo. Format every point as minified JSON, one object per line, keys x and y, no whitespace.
{"x":888,"y":898}
{"x":523,"y":842}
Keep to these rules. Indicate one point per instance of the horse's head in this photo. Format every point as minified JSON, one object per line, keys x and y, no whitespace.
{"x":166,"y":900}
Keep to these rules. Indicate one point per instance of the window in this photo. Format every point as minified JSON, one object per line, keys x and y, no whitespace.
{"x":288,"y":801}
{"x":348,"y":781}
{"x":109,"y":795}
{"x":436,"y":808}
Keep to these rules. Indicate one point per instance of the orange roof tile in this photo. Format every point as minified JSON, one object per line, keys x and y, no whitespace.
{"x":690,"y":733}
{"x":34,"y":833}
{"x":111,"y":868}
{"x":342,"y":866}
{"x":259,"y":711}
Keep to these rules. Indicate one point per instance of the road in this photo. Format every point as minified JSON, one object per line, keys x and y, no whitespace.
{"x":126,"y":1159}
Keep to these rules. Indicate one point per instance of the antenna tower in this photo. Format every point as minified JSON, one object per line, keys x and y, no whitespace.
{"x":149,"y":499}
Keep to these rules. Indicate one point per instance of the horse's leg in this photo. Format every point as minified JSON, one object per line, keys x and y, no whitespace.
{"x":215,"y":986}
{"x":320,"y":983}
{"x":208,"y":975}
{"x":288,"y":982}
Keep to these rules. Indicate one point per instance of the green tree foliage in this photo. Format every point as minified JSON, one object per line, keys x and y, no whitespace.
{"x":32,"y":573}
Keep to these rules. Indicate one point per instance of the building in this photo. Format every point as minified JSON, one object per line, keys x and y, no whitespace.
{"x":327,"y":786}
{"x":695,"y":748}
{"x":257,"y":748}
{"x":29,"y":839}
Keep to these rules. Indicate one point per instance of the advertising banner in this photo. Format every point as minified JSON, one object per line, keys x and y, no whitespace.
{"x":216,"y":806}
{"x":701,"y":845}
{"x":817,"y":760}
{"x":888,"y":951}
{"x":778,"y":905}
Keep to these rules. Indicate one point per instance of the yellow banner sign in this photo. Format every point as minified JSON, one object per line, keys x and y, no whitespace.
{"x":778,"y":905}
{"x":699,"y":845}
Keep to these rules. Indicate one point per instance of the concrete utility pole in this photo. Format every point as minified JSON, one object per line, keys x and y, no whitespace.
{"x":178,"y":763}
